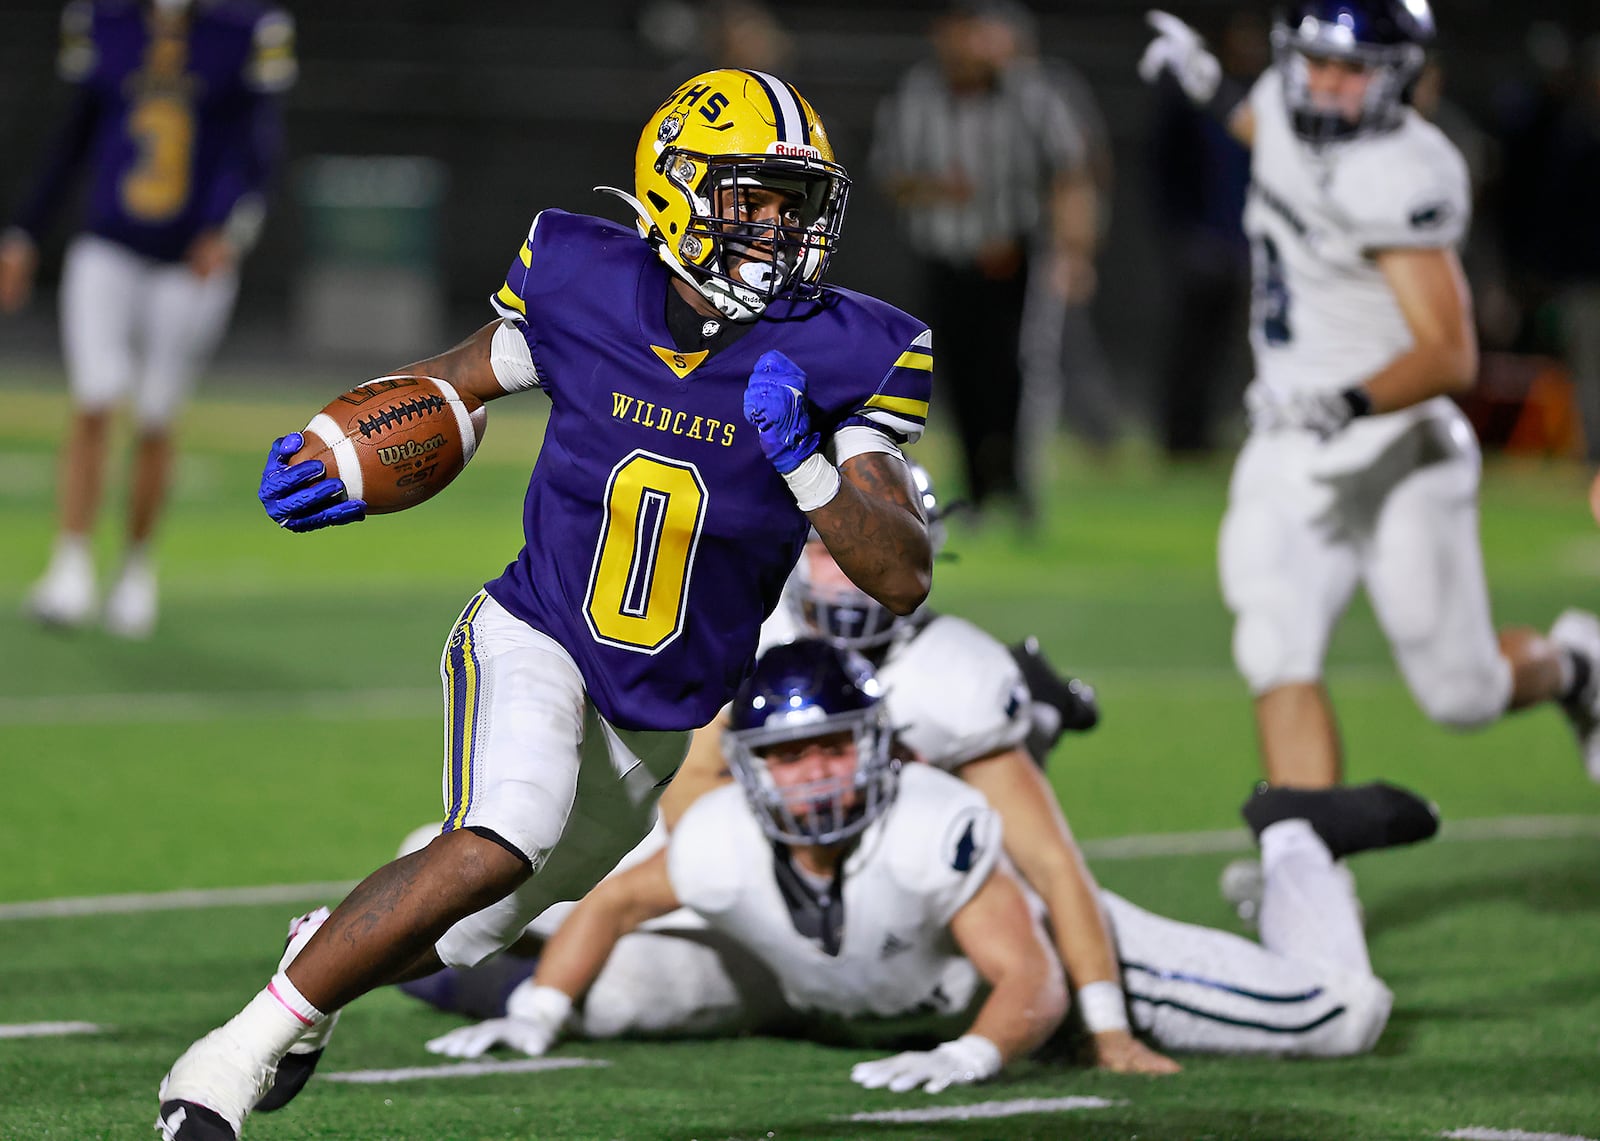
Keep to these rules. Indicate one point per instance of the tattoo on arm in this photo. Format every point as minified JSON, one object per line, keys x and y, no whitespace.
{"x":876,"y":531}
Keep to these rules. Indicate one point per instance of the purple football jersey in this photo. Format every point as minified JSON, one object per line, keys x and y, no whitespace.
{"x":657,"y":536}
{"x":177,"y":121}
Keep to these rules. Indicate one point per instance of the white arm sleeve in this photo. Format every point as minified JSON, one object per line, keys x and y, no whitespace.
{"x":511,"y":360}
{"x":857,"y":440}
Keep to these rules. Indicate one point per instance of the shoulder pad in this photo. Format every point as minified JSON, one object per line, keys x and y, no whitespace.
{"x":895,"y":354}
{"x":940,"y":838}
{"x":559,"y":247}
{"x":272,"y":66}
{"x":1406,"y":189}
{"x":713,"y":849}
{"x":77,"y":56}
{"x":955,"y":693}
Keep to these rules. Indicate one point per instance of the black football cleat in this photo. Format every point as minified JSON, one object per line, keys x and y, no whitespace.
{"x":186,"y":1121}
{"x":1349,"y":818}
{"x":294,"y":1071}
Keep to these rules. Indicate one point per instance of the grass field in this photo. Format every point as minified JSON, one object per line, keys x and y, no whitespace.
{"x":282,"y":728}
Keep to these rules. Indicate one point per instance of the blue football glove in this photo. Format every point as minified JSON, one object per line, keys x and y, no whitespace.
{"x":298,"y":497}
{"x":775,"y":404}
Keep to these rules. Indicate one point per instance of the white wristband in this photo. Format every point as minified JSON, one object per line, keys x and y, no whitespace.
{"x":545,"y":1006}
{"x":814,"y":483}
{"x":1104,"y":1007}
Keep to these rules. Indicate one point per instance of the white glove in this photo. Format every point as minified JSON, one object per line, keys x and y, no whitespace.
{"x":534,"y":1017}
{"x":970,"y":1058}
{"x":1179,"y":49}
{"x":1324,"y":414}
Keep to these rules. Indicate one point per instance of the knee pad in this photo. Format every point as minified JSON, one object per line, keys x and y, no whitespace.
{"x":1269,"y":651}
{"x":1464,"y":698}
{"x":1367,"y":1003}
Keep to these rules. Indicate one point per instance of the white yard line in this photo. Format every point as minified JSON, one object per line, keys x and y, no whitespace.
{"x":368,"y":704}
{"x":47,"y":1029}
{"x":1109,"y":849}
{"x":170,"y":708}
{"x":985,"y":1109}
{"x":1478,"y":1133}
{"x":175,"y":900}
{"x":461,"y":1070}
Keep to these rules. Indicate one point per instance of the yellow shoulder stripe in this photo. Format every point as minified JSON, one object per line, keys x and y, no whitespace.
{"x":508,"y":298}
{"x":910,"y":359}
{"x":900,"y":404}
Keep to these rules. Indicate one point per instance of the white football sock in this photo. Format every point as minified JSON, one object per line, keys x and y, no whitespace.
{"x":274,"y":1019}
{"x":1309,"y":909}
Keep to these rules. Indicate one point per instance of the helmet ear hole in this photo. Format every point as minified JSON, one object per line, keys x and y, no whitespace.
{"x":657,"y":201}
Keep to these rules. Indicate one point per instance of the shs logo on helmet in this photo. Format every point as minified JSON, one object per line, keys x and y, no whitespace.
{"x":736,"y":185}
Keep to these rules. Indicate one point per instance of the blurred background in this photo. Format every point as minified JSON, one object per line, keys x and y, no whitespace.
{"x":512,"y":107}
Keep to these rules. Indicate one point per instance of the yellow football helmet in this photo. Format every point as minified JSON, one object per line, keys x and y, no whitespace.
{"x":717,"y":136}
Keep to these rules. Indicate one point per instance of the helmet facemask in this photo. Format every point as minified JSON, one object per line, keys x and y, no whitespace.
{"x":741,"y":263}
{"x":826,"y":601}
{"x":825,"y":811}
{"x":1392,"y":71}
{"x":822,"y":598}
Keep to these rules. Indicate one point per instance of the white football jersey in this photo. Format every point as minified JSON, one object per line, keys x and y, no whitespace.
{"x":915,"y":867}
{"x":954,"y":692}
{"x":1323,"y":316}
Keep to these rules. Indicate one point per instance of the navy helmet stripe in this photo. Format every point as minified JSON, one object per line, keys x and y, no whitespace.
{"x":785,"y":112}
{"x":800,"y":107}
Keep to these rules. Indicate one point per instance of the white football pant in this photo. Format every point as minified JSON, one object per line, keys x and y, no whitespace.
{"x":1306,"y":989}
{"x":1296,"y":541}
{"x":135,"y":327}
{"x":528,"y":758}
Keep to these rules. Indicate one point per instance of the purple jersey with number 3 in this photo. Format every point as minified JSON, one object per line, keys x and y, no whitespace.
{"x":657,"y":534}
{"x":175,"y":120}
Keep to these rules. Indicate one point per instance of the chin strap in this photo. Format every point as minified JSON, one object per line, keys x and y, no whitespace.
{"x":728,"y":306}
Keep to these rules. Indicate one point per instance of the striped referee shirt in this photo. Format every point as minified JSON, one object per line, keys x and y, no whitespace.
{"x":1009,"y":143}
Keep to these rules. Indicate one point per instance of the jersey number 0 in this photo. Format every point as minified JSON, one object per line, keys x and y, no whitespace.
{"x":639,"y":587}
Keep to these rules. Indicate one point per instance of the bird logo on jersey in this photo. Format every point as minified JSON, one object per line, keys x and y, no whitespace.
{"x":717,"y":138}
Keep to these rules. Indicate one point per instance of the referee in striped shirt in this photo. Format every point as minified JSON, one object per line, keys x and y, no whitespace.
{"x":981,"y":154}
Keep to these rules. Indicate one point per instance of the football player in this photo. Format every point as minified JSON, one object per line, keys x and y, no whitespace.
{"x":1359,"y":469}
{"x":711,"y":403}
{"x":176,"y":117}
{"x":963,"y":703}
{"x":871,"y":891}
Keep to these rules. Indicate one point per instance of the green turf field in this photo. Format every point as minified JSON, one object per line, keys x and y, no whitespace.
{"x":282,"y":728}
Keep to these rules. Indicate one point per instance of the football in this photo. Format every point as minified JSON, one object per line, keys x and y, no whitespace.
{"x":397,"y":440}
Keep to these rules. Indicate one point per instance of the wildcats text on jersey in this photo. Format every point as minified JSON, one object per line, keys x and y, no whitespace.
{"x":676,"y":421}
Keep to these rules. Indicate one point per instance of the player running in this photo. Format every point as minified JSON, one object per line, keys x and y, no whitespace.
{"x":711,"y":403}
{"x":1359,"y":469}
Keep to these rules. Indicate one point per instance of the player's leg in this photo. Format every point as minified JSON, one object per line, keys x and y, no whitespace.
{"x":100,"y":285}
{"x":183,"y":319}
{"x":1308,"y":988}
{"x":1424,"y":574}
{"x":1198,"y":989}
{"x":1288,"y":572}
{"x":515,"y":713}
